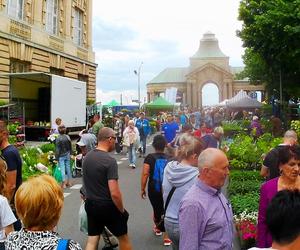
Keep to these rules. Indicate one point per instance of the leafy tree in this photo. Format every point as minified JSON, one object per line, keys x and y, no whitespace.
{"x":271,"y":35}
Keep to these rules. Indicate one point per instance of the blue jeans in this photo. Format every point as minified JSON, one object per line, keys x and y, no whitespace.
{"x":143,"y":139}
{"x":173,"y":232}
{"x":131,"y":154}
{"x":64,"y":164}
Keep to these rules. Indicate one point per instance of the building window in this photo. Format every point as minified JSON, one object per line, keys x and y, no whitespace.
{"x":78,"y":27}
{"x":17,"y":66}
{"x":15,"y":8}
{"x":56,"y":71}
{"x":52,"y":17}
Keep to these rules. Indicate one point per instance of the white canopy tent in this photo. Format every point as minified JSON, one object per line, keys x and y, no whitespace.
{"x":242,"y":100}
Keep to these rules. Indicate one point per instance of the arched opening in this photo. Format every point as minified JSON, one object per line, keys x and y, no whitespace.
{"x":210,"y":94}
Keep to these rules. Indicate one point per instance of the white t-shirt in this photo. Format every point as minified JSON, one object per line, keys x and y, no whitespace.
{"x":7,"y":217}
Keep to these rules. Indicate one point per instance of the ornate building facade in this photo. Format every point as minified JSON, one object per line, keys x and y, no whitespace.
{"x":52,"y":36}
{"x":208,"y":65}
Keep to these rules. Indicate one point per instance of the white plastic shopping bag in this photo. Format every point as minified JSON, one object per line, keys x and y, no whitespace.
{"x":83,"y":222}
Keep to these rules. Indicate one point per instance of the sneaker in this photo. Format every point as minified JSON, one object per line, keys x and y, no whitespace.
{"x":157,"y":231}
{"x":133,"y":166}
{"x":167,"y":242}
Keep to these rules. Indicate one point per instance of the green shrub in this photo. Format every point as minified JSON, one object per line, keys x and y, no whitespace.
{"x":295,"y":125}
{"x":246,"y":153}
{"x":238,"y":175}
{"x":243,"y":187}
{"x":48,"y":147}
{"x":242,"y":202}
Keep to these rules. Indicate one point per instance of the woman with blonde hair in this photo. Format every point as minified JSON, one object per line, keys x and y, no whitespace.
{"x":131,"y":138}
{"x":179,"y":176}
{"x":39,"y":212}
{"x":7,"y":217}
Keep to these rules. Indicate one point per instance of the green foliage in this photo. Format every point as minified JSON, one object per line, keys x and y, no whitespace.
{"x":13,"y":128}
{"x":242,"y":202}
{"x":153,"y":125}
{"x":12,"y":139}
{"x":271,"y":36}
{"x":3,"y":102}
{"x":90,"y":102}
{"x":295,"y":125}
{"x":48,"y":147}
{"x":243,"y":190}
{"x":34,"y":155}
{"x":266,"y":110}
{"x":243,"y":187}
{"x":246,"y":153}
{"x":266,"y":125}
{"x":244,"y":150}
{"x":231,"y":126}
{"x":237,"y":175}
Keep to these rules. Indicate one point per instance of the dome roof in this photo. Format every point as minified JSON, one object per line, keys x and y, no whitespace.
{"x":209,"y":47}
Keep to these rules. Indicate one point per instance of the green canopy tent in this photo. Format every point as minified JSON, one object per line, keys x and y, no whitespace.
{"x":159,"y":104}
{"x":112,"y":103}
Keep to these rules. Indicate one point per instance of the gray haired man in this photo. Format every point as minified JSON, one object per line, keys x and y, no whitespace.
{"x":205,"y":215}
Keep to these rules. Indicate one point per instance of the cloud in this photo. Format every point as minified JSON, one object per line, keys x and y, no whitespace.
{"x":112,"y":36}
{"x":158,"y":33}
{"x":127,"y":96}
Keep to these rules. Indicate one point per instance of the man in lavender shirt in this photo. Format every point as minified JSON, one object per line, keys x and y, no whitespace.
{"x":205,"y":215}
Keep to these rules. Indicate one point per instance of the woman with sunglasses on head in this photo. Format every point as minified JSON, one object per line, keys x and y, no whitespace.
{"x":289,"y":179}
{"x":180,"y":174}
{"x":7,"y":217}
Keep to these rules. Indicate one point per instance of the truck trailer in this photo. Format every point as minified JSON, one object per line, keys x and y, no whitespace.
{"x":46,"y":97}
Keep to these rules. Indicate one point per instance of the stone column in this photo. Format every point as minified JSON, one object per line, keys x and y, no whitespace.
{"x":230,"y":92}
{"x":189,"y":93}
{"x":68,"y":15}
{"x":195,"y":95}
{"x":184,"y":98}
{"x":200,"y":97}
{"x":89,"y":24}
{"x":38,"y":8}
{"x":225,"y":95}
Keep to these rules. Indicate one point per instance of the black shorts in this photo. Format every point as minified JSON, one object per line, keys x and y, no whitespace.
{"x":100,"y":214}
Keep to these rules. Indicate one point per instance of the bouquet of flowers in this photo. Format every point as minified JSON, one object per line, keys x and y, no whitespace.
{"x":246,"y":228}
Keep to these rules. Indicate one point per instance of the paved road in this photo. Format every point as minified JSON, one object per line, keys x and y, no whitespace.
{"x":140,"y":219}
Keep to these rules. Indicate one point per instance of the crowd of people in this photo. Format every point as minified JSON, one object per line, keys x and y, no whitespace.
{"x":183,"y":179}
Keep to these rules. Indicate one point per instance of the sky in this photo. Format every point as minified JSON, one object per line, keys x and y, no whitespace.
{"x":159,"y":33}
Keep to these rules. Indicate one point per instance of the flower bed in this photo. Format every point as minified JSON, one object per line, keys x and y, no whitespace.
{"x":243,"y":192}
{"x":246,"y":155}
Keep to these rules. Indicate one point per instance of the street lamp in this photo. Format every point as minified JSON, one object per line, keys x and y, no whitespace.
{"x":138,"y":73}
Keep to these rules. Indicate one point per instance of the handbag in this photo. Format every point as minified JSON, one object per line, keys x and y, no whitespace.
{"x":63,"y":244}
{"x":57,"y":174}
{"x":161,"y":225}
{"x":126,"y":140}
